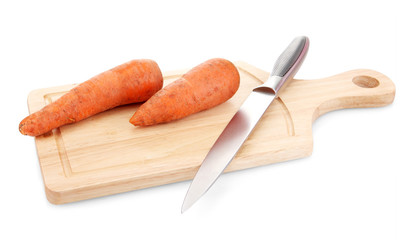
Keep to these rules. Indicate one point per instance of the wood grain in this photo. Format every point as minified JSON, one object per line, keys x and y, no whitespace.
{"x":105,"y":154}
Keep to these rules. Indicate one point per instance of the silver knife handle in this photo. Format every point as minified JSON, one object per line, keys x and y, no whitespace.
{"x":287,"y":64}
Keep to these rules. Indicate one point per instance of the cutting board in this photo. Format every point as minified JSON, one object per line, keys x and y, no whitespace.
{"x":105,"y":154}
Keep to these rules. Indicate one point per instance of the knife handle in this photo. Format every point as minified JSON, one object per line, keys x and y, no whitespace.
{"x":287,"y":65}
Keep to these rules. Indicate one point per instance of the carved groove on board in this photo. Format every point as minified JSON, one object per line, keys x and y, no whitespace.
{"x":287,"y":116}
{"x":249,"y":73}
{"x":62,"y":153}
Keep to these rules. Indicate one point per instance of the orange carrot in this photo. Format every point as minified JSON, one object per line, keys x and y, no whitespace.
{"x":134,"y":81}
{"x":205,"y":86}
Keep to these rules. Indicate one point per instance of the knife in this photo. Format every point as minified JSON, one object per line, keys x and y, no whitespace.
{"x":244,"y":121}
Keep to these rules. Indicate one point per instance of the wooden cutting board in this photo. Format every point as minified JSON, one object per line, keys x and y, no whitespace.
{"x":105,"y":154}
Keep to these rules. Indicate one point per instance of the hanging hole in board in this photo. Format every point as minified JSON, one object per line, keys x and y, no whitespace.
{"x":365,"y":81}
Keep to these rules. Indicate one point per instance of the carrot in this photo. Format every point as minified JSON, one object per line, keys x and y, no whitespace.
{"x":134,"y":81}
{"x":205,"y":86}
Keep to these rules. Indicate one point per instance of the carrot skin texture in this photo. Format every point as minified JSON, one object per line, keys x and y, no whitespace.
{"x":134,"y":81}
{"x":205,"y":86}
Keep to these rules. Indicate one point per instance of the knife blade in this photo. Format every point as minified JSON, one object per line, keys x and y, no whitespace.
{"x":244,"y":121}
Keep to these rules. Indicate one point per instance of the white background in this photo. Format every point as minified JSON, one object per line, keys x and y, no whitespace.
{"x":354,"y":186}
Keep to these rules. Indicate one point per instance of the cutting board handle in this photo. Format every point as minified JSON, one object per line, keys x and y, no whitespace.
{"x":359,"y":88}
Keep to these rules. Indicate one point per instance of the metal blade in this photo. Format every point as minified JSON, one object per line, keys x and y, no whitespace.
{"x":228,"y":144}
{"x":243,"y":122}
